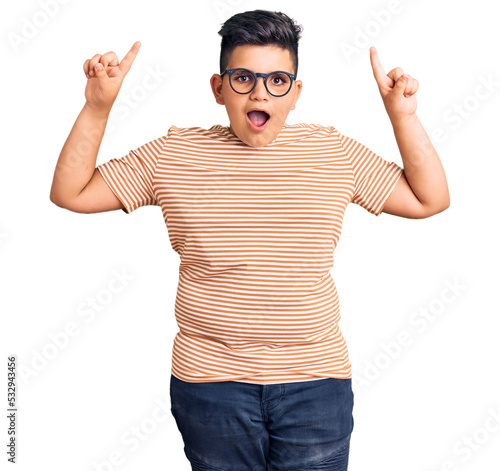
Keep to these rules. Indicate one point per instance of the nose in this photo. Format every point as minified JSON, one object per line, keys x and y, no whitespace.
{"x":260,"y":90}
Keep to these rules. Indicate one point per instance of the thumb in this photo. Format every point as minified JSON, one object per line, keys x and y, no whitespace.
{"x":100,"y":72}
{"x":400,"y":85}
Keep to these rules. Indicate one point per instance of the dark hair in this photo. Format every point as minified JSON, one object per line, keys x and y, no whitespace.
{"x":260,"y":27}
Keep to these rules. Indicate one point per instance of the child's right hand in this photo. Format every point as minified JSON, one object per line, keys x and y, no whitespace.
{"x":105,"y":76}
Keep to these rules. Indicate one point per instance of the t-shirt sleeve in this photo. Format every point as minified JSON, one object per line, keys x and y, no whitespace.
{"x":374,"y":177}
{"x":131,"y":177}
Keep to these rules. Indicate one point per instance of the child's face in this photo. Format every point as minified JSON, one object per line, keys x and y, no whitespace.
{"x":263,"y":59}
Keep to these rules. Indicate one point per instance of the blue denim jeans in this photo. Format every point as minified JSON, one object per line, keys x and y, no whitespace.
{"x":234,"y":426}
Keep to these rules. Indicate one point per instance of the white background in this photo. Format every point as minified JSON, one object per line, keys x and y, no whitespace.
{"x":432,"y":405}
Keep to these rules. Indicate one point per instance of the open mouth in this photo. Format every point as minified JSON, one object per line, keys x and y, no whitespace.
{"x":258,"y":119}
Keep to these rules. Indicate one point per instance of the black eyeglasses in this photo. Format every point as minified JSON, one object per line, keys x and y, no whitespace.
{"x":243,"y":81}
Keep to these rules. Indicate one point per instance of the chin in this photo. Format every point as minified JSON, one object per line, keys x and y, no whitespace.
{"x":259,"y":139}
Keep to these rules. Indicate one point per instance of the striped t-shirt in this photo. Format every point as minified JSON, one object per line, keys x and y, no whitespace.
{"x":255,"y":229}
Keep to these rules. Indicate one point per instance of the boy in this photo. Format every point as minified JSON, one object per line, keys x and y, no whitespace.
{"x":261,"y":377}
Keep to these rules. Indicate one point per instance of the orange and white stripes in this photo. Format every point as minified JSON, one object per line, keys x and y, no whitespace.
{"x":255,"y":229}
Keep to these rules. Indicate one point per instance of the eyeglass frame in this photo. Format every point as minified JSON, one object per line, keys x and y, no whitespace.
{"x":255,"y":76}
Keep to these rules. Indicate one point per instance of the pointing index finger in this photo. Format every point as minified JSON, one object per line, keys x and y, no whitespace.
{"x":126,"y":62}
{"x":378,"y":70}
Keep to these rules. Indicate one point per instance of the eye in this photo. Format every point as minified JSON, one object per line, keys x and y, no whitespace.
{"x":278,"y":79}
{"x":242,"y":78}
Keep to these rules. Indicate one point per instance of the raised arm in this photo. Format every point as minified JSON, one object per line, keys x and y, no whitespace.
{"x":422,"y":190}
{"x":77,"y":185}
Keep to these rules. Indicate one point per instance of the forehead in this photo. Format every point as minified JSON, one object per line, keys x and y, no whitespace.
{"x":261,"y":58}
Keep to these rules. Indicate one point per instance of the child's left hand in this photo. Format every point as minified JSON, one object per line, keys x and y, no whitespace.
{"x":397,"y":89}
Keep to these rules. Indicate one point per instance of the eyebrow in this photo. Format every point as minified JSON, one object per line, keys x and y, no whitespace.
{"x":274,"y":70}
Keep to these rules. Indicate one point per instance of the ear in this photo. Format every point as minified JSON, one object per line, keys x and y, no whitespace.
{"x":298,"y":89}
{"x":216,"y":84}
